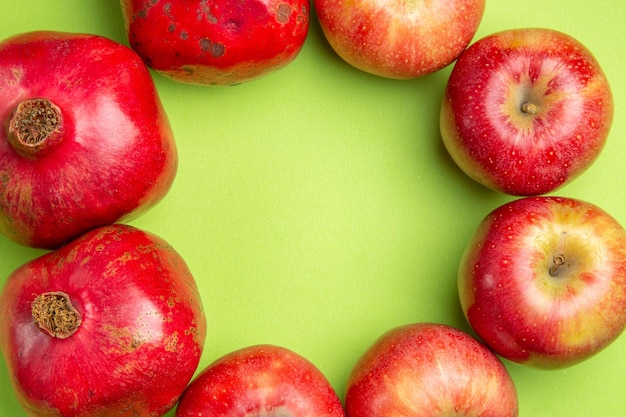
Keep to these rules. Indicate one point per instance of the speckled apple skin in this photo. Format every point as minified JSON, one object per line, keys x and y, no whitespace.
{"x":521,"y":153}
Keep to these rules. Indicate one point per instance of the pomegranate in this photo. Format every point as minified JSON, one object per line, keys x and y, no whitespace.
{"x":218,"y":42}
{"x":84,"y":141}
{"x":111,"y":324}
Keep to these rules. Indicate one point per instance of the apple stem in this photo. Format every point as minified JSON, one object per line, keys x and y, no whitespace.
{"x":55,"y":315}
{"x":530,"y":108}
{"x":557,"y":262}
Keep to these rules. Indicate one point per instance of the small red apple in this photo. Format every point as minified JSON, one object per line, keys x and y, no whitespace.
{"x":543,"y":280}
{"x":398,"y":39}
{"x":428,"y":369}
{"x":219,"y":42}
{"x":526,"y":111}
{"x":260,"y":380}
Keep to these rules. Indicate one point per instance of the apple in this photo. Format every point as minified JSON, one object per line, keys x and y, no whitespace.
{"x":216,"y":42}
{"x":260,"y":380}
{"x":526,"y":111}
{"x":429,"y":369}
{"x":398,"y":39}
{"x":543,"y":280}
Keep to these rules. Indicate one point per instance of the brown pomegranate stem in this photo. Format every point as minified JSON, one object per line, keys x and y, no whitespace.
{"x":530,"y":108}
{"x":557,"y":262}
{"x":35,"y":125}
{"x":55,"y":315}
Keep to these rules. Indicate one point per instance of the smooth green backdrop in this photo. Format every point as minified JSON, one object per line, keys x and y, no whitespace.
{"x":317,"y":207}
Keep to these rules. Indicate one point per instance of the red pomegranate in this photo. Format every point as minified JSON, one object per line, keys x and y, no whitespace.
{"x":219,"y":42}
{"x":84,"y":141}
{"x":111,"y":324}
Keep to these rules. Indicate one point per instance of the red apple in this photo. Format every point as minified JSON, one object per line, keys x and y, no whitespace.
{"x":433,"y":370}
{"x":220,"y":42}
{"x":398,"y":39}
{"x":543,"y":280}
{"x":526,"y":111}
{"x":261,"y":380}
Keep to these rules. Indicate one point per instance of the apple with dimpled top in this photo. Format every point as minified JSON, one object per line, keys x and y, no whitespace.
{"x":526,"y":111}
{"x":399,"y":39}
{"x":543,"y":280}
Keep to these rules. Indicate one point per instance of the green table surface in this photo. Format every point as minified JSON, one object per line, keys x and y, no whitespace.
{"x":317,"y":207}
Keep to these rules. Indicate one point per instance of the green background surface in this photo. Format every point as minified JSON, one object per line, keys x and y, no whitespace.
{"x":317,"y":207}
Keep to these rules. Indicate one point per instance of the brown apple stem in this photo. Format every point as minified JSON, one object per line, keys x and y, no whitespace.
{"x":55,"y":315}
{"x":530,"y":108}
{"x":35,"y":125}
{"x":557,"y":262}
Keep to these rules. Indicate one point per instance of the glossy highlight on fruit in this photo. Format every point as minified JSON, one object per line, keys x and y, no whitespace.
{"x":84,"y":141}
{"x":110,"y":324}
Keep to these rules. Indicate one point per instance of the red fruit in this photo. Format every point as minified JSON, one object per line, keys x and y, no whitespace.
{"x":399,"y":39}
{"x":526,"y":111}
{"x":261,"y":380}
{"x":429,"y":369}
{"x":218,"y":42}
{"x":85,"y":140}
{"x":543,"y":281}
{"x":110,"y":324}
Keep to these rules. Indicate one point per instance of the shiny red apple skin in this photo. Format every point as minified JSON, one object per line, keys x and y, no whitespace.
{"x":397,"y":39}
{"x":515,"y":304}
{"x":220,"y":42}
{"x":112,"y":155}
{"x":429,"y":369}
{"x":260,"y":380}
{"x":140,"y":338}
{"x":536,"y":149}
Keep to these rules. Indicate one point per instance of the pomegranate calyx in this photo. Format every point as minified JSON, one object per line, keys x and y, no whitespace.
{"x":34,"y":126}
{"x":55,"y":315}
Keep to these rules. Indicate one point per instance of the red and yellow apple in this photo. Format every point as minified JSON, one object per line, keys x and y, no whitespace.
{"x":543,"y":280}
{"x":218,"y":42}
{"x":399,"y":39}
{"x":526,"y":111}
{"x":428,"y":369}
{"x":260,"y":380}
